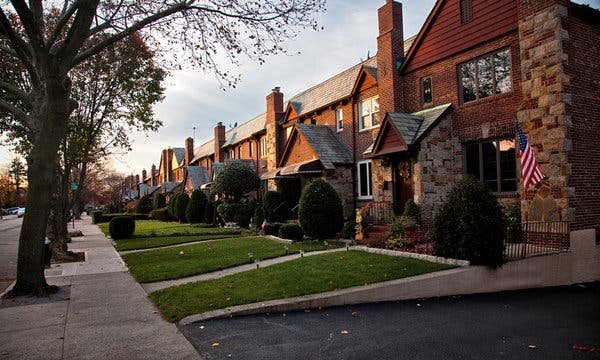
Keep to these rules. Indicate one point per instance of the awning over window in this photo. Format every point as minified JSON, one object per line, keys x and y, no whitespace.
{"x":310,"y":166}
{"x":270,"y":174}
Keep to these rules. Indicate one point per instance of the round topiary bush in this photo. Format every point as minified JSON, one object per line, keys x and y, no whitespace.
{"x":160,"y":201}
{"x":259,"y":217}
{"x":194,"y":213}
{"x":145,"y":205}
{"x":171,"y":205}
{"x":291,"y":232}
{"x":320,"y":210}
{"x":121,"y":227}
{"x":469,"y":225}
{"x":235,"y":180}
{"x":209,"y":213}
{"x":272,"y":229}
{"x":181,"y":204}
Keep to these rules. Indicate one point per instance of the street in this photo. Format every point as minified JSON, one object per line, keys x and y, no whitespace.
{"x":550,"y":323}
{"x":10,"y":226}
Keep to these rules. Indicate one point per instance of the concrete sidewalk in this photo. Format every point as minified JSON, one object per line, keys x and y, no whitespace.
{"x":100,"y":312}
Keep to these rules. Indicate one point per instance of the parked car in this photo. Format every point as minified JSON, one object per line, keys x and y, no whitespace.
{"x":20,"y":212}
{"x":11,"y":211}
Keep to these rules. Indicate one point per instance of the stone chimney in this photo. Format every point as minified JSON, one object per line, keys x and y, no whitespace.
{"x":153,"y":179}
{"x":189,"y":151}
{"x":390,"y":55}
{"x":219,"y":141}
{"x":274,"y":113}
{"x":137,"y":179}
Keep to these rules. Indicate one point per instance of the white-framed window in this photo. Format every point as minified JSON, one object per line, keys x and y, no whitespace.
{"x":263,"y":146}
{"x":339,"y":119}
{"x":365,"y":190}
{"x":231,"y":153}
{"x":288,"y":132}
{"x":368,"y":111}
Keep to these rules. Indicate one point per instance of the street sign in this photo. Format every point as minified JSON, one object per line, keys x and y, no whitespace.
{"x":74,"y":186}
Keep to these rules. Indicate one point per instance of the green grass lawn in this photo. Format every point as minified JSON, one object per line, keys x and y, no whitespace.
{"x":154,"y":242}
{"x":169,"y":263}
{"x":151,"y":228}
{"x":309,"y":275}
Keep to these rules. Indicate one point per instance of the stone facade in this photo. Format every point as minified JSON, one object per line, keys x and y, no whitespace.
{"x":438,"y":166}
{"x":546,"y":99}
{"x":343,"y":182}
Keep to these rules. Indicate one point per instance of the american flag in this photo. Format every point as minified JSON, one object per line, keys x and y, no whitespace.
{"x":532,"y":172}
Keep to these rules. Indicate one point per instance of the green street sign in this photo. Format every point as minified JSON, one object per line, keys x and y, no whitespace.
{"x":74,"y":186}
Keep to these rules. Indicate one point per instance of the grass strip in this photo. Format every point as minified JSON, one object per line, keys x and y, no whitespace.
{"x":154,"y":242}
{"x":152,"y":228}
{"x":308,"y":275}
{"x":187,"y":260}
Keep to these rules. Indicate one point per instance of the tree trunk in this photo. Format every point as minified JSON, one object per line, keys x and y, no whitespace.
{"x":77,"y":193}
{"x":50,"y":113}
{"x":58,"y":220}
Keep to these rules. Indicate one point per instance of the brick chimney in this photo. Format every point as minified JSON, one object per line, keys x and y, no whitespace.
{"x":153,"y":179}
{"x":390,"y":54}
{"x":219,"y":141}
{"x":274,"y":113}
{"x":137,"y":179}
{"x":169,"y":164}
{"x":144,"y":175}
{"x":189,"y":151}
{"x":163,"y":166}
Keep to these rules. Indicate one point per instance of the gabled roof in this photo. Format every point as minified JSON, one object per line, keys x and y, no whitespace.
{"x":326,"y":145}
{"x":245,"y":130}
{"x":198,"y":176}
{"x":410,"y":127}
{"x":204,"y":150}
{"x":329,"y":91}
{"x":169,"y":186}
{"x":146,"y":189}
{"x":179,"y":154}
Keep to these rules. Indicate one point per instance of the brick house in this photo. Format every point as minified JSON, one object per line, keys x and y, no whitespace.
{"x":425,"y":111}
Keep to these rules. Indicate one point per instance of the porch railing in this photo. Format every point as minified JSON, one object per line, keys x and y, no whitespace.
{"x":378,"y":212}
{"x":538,"y":237}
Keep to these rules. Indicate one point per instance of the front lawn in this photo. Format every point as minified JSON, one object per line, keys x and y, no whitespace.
{"x":151,"y":228}
{"x":309,"y":275}
{"x":154,"y":242}
{"x":187,"y":260}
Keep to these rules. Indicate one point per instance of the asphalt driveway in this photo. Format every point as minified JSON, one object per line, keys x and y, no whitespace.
{"x":550,"y":323}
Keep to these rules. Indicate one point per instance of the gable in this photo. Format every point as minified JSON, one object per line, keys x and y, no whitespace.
{"x":444,"y":35}
{"x":366,"y":79}
{"x":388,"y":140}
{"x":297,"y":150}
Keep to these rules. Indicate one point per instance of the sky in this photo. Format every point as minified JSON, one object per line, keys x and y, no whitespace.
{"x":194,"y":99}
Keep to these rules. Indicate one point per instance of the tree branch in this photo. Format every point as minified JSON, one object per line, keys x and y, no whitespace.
{"x":18,"y":113}
{"x":64,"y":19}
{"x":78,"y":32}
{"x":19,"y":47}
{"x":22,"y":95}
{"x":32,"y":29}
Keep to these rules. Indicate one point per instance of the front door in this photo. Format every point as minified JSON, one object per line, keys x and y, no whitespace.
{"x":402,"y":184}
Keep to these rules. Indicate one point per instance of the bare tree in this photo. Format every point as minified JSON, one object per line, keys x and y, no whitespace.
{"x":197,"y":31}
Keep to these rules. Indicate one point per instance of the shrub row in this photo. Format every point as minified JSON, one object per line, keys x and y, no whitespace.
{"x":98,"y":217}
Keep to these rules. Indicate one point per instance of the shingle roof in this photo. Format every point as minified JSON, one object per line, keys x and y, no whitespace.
{"x":179,"y":155}
{"x":245,"y":130}
{"x":168,"y":187}
{"x":326,"y":145}
{"x":206,"y":149}
{"x":413,"y":126}
{"x":330,"y":90}
{"x":146,"y":189}
{"x":198,"y":176}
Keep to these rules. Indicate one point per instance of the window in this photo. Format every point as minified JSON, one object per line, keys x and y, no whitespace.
{"x":263,"y":146}
{"x":486,"y":76}
{"x":364,"y":180}
{"x":250,"y":148}
{"x":231,"y":153}
{"x":369,"y":113}
{"x":288,"y":132}
{"x":426,"y":94}
{"x":466,"y":11}
{"x":240,"y":152}
{"x":339,"y":119}
{"x":494,"y":163}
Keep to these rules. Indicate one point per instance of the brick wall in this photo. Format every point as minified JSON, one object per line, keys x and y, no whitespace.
{"x":341,"y":181}
{"x":582,"y":67}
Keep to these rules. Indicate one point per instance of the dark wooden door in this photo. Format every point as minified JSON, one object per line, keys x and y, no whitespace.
{"x":402,"y":184}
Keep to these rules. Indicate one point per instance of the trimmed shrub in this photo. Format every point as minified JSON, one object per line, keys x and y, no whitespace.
{"x":108,"y":217}
{"x":244,"y":213}
{"x":235,"y":180}
{"x":272,"y":229}
{"x":291,"y":231}
{"x":349,"y":230}
{"x":274,"y":206}
{"x":144,"y":206}
{"x":469,"y":225}
{"x":209,"y":213}
{"x":181,"y":204}
{"x":258,"y":218}
{"x":160,"y":214}
{"x":194,"y":213}
{"x":396,"y":228}
{"x":121,"y":227}
{"x":411,"y":209}
{"x":96,"y":217}
{"x":512,"y":222}
{"x":160,"y":201}
{"x":320,"y":210}
{"x":227,"y":211}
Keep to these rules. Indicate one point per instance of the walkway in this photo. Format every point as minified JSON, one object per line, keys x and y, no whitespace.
{"x":100,"y":312}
